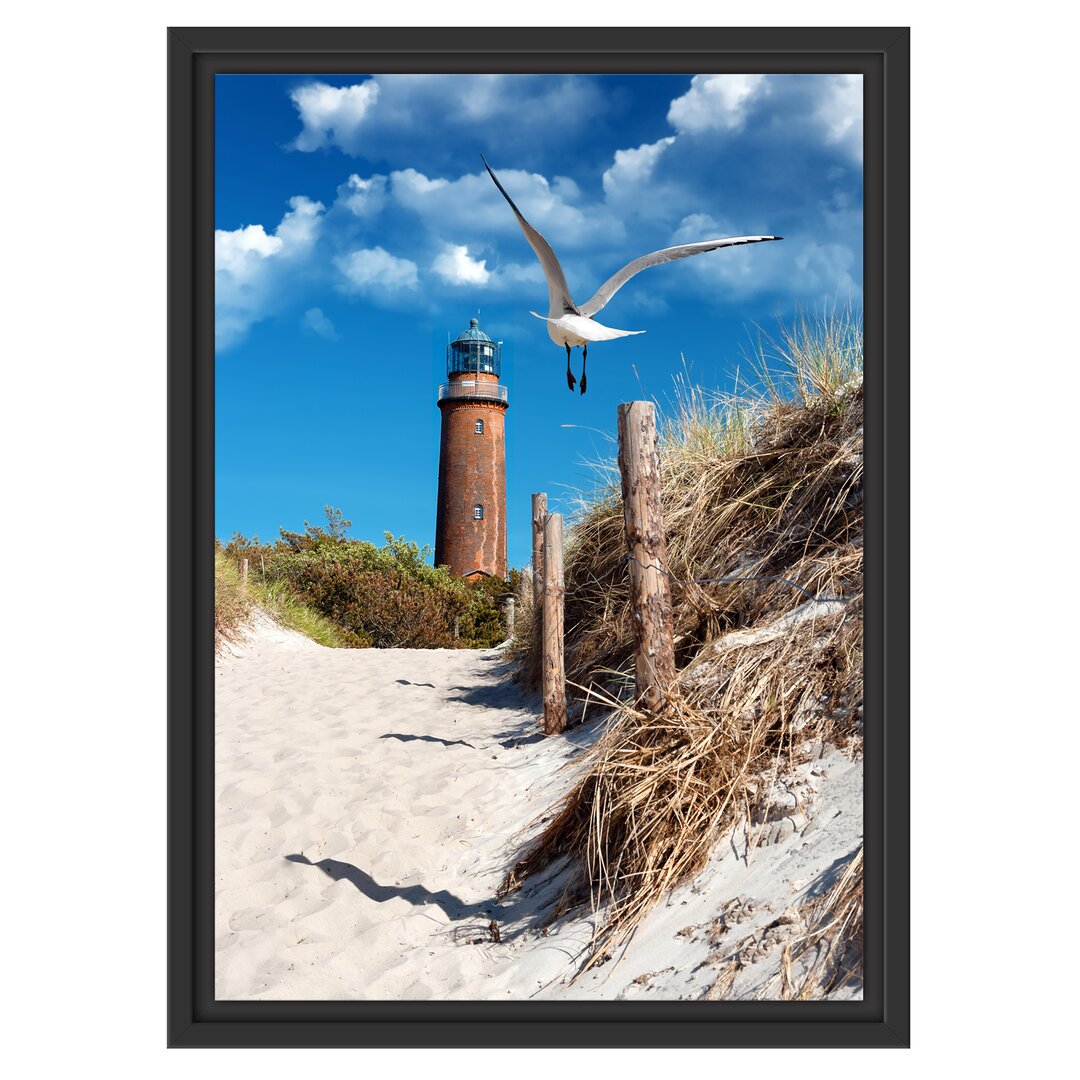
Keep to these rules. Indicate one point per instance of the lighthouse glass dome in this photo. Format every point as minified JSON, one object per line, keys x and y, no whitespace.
{"x":473,"y":351}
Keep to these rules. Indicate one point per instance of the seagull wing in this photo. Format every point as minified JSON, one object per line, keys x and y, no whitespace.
{"x":683,"y":251}
{"x":559,"y":298}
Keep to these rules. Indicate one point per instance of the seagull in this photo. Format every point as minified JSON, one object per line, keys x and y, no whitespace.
{"x":571,"y":324}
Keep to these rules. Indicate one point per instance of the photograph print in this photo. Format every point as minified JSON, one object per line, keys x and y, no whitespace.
{"x":538,"y":482}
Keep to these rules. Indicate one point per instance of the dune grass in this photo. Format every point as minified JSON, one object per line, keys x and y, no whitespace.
{"x":762,"y":496}
{"x":234,"y":605}
{"x":823,"y":950}
{"x":278,"y":601}
{"x":830,"y":950}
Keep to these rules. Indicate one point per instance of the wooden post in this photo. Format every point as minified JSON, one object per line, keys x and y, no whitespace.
{"x":646,"y":541}
{"x":539,"y":512}
{"x":243,"y":571}
{"x":509,"y":616}
{"x":554,"y":671}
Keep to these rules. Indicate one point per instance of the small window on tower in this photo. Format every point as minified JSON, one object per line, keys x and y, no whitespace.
{"x":478,"y":512}
{"x":479,"y":427}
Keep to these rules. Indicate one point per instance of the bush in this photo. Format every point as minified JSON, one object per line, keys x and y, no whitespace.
{"x":388,"y":596}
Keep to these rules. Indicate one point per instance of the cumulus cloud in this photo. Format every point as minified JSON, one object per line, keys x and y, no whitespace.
{"x":456,"y":266}
{"x":234,"y":251}
{"x":783,"y":111}
{"x":632,"y":167}
{"x":715,"y":103}
{"x":315,"y":322}
{"x":333,"y":115}
{"x":840,"y":113}
{"x":800,"y":267}
{"x":827,"y":269}
{"x":300,"y":227}
{"x":375,"y":272}
{"x":252,"y":267}
{"x":426,"y":117}
{"x":364,"y":198}
{"x":472,"y":205}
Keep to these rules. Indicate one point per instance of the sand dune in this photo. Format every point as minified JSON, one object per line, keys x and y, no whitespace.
{"x":369,"y":802}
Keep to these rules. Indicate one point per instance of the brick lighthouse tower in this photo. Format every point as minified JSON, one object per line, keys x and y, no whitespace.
{"x":470,"y":526}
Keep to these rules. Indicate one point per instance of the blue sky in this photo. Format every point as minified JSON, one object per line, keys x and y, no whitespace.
{"x":356,"y":229}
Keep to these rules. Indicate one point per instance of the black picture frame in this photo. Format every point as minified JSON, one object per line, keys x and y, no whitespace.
{"x":195,"y":1019}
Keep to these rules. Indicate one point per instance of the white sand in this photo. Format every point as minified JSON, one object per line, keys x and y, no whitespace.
{"x":370,"y":801}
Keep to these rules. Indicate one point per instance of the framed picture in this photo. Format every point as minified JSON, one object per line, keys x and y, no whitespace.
{"x":538,"y":676}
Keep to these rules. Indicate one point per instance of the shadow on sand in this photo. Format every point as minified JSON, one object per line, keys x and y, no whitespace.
{"x":426,"y":738}
{"x":528,"y":906}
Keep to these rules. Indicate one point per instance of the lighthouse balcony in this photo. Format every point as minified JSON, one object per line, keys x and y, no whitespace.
{"x":473,"y":390}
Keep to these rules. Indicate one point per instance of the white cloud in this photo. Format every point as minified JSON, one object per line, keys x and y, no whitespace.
{"x":375,"y":271}
{"x":363,"y":197}
{"x":633,"y":167}
{"x":841,"y":111}
{"x":251,"y":267}
{"x":398,"y":115}
{"x":715,"y":103}
{"x":472,"y":205}
{"x":798,"y":267}
{"x":409,"y":185}
{"x":455,"y":266}
{"x":788,"y":110}
{"x":319,"y":324}
{"x":240,"y":249}
{"x":300,"y":227}
{"x":333,"y":115}
{"x":826,"y":269}
{"x":695,"y":227}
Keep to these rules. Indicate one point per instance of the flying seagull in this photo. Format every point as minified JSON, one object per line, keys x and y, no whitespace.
{"x":572,"y":324}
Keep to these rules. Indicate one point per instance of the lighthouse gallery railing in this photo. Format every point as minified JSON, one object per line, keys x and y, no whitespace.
{"x":488,"y":391}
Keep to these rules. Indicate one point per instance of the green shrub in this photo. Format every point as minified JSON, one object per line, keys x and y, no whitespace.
{"x":384,"y":596}
{"x":279,"y":601}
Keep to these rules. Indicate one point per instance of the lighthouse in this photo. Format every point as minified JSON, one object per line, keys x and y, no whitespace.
{"x":470,"y":523}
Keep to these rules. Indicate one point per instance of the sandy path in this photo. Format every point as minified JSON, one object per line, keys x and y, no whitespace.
{"x":364,"y":798}
{"x":368,"y":803}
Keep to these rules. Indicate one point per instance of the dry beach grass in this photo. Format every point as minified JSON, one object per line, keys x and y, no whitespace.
{"x":763,"y":507}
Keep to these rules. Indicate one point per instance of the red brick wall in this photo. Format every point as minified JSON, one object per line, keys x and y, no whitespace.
{"x":472,"y":469}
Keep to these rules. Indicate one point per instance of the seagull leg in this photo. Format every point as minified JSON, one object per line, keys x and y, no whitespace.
{"x":584,"y":357}
{"x":570,"y":380}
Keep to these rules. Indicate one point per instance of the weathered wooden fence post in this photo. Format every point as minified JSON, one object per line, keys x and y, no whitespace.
{"x":243,"y":571}
{"x":509,"y":616}
{"x":646,"y":541}
{"x":554,"y":670}
{"x":539,"y":512}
